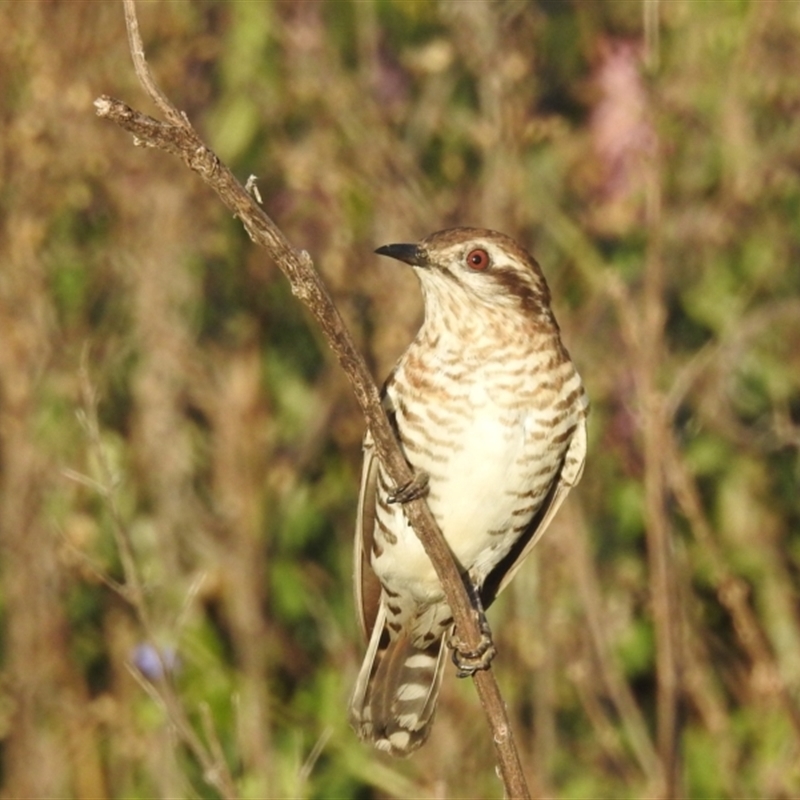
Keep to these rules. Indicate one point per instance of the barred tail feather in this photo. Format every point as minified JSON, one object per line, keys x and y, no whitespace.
{"x":395,"y":697}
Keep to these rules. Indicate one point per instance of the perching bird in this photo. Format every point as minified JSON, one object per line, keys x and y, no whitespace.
{"x":489,"y":409}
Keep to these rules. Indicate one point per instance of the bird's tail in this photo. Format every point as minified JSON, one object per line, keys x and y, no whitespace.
{"x":395,"y":696}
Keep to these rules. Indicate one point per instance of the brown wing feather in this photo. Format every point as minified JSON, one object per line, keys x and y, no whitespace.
{"x":365,"y":583}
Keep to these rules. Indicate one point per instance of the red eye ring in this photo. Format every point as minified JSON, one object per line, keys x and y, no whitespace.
{"x":478,"y":259}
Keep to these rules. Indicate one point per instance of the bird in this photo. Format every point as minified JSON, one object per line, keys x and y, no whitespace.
{"x":490,"y":413}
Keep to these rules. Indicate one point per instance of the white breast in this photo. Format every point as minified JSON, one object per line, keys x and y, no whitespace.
{"x":482,"y":460}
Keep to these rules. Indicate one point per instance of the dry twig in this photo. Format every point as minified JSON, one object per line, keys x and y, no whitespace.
{"x":178,"y":137}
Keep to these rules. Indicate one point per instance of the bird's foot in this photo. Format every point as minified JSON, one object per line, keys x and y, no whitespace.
{"x":416,"y":487}
{"x":469,"y":660}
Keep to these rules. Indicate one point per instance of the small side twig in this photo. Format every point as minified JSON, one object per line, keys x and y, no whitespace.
{"x":142,"y":69}
{"x":178,"y":137}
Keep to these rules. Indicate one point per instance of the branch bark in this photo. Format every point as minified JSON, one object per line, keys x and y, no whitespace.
{"x":177,"y":136}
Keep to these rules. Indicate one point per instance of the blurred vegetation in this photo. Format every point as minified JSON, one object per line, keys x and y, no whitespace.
{"x":648,"y":154}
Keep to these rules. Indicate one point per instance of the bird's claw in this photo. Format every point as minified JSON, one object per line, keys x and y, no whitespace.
{"x":416,"y":487}
{"x":468,"y":662}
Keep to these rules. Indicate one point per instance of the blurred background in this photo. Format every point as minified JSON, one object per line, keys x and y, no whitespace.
{"x":168,"y":410}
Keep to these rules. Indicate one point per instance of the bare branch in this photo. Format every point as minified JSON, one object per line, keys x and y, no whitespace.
{"x":177,"y":136}
{"x":143,"y":69}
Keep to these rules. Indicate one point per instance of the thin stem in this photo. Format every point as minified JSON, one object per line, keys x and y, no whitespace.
{"x":587,"y":586}
{"x":663,"y":584}
{"x":215,"y":769}
{"x":181,"y":139}
{"x":142,"y":68}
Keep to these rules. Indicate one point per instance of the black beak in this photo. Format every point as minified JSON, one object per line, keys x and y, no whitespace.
{"x":409,"y":253}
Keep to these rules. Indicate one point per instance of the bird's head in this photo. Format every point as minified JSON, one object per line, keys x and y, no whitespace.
{"x":469,"y":268}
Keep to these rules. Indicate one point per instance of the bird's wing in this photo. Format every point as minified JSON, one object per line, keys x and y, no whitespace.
{"x":569,"y":475}
{"x":366,"y":585}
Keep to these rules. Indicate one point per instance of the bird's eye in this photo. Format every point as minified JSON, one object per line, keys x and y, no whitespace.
{"x":478,"y":260}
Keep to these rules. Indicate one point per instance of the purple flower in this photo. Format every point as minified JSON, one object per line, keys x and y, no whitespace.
{"x":154,"y":661}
